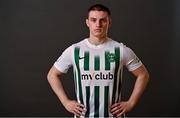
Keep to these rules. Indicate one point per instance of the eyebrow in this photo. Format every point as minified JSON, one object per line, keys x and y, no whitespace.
{"x":96,"y":18}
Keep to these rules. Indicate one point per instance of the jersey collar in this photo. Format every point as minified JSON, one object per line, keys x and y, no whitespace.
{"x":96,"y":46}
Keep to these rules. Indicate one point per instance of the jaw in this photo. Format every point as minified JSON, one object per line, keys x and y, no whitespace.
{"x":99,"y":35}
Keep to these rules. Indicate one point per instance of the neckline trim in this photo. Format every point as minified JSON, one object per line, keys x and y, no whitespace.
{"x":96,"y":46}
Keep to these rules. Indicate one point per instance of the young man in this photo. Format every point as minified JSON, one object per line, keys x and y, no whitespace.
{"x":98,"y":62}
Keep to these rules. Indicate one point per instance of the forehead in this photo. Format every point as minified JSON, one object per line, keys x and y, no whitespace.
{"x":98,"y":14}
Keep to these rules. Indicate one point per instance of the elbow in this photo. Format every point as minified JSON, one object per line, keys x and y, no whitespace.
{"x":53,"y":74}
{"x":49,"y":76}
{"x":146,"y":76}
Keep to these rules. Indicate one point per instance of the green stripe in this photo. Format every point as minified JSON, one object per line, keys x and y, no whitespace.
{"x":75,"y":81}
{"x":96,"y":101}
{"x":87,"y":100}
{"x":86,"y":60}
{"x":117,"y":61}
{"x":76,"y":56}
{"x":106,"y":99}
{"x":96,"y":63}
{"x":107,"y":62}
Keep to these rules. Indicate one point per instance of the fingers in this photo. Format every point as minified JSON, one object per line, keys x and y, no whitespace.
{"x":114,"y":105}
{"x":115,"y":108}
{"x":75,"y":108}
{"x":77,"y":112}
{"x":81,"y":105}
{"x":121,"y":113}
{"x":79,"y":109}
{"x":118,"y":109}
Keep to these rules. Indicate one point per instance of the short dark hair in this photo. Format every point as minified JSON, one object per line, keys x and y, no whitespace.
{"x":99,"y":7}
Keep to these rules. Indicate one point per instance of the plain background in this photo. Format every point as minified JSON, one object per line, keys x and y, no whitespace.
{"x":34,"y":33}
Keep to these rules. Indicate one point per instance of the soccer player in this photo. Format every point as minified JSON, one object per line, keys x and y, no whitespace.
{"x":98,"y":63}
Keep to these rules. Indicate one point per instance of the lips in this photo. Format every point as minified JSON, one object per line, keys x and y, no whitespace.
{"x":97,"y":30}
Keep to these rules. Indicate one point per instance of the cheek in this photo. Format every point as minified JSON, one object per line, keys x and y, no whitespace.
{"x":91,"y":26}
{"x":106,"y":24}
{"x":105,"y":27}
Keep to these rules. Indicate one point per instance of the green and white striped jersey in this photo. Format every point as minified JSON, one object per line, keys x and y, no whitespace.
{"x":98,"y":73}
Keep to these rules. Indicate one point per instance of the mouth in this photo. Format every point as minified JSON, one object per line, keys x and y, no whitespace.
{"x":97,"y":30}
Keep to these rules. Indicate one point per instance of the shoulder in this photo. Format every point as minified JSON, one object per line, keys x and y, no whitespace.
{"x":114,"y":43}
{"x":125,"y":50}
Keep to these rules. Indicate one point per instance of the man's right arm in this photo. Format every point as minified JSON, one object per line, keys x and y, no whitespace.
{"x":54,"y":79}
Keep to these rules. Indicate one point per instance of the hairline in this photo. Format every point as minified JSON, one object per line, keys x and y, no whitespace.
{"x":109,"y":16}
{"x":99,"y":7}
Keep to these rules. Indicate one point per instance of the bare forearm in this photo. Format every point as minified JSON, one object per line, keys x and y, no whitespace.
{"x":139,"y":88}
{"x":55,"y":82}
{"x":57,"y":87}
{"x":140,"y":85}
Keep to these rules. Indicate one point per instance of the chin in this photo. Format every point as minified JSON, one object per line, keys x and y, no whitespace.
{"x":98,"y":34}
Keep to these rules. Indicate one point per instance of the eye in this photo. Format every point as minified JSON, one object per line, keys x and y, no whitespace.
{"x":104,"y":20}
{"x":93,"y":19}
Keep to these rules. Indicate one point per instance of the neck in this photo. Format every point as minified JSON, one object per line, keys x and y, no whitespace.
{"x":97,"y":40}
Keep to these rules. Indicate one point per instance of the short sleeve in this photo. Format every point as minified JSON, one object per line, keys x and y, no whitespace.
{"x":64,"y":62}
{"x":130,"y":60}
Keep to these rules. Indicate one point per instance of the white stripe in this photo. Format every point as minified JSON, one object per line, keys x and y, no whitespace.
{"x":101,"y":100}
{"x":91,"y":101}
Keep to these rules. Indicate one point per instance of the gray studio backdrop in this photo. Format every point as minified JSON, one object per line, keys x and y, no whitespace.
{"x":33,"y":34}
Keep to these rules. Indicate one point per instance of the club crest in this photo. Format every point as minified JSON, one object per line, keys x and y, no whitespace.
{"x":111,"y":57}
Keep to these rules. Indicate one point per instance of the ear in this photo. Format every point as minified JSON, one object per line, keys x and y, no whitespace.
{"x":87,"y":22}
{"x":110,"y":22}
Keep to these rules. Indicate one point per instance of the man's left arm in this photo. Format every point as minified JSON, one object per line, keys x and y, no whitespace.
{"x":142,"y":76}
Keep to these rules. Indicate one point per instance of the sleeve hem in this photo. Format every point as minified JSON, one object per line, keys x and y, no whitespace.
{"x":60,"y":69}
{"x":135,"y":67}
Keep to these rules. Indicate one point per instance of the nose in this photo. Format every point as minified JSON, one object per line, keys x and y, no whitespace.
{"x":98,"y":24}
